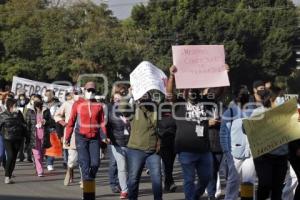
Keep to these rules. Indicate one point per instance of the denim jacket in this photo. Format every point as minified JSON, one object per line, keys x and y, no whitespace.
{"x":232,"y":136}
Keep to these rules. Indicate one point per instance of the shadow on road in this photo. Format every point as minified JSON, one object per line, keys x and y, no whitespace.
{"x":4,"y":197}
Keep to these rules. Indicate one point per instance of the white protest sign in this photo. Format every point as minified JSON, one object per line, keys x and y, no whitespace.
{"x":146,"y":77}
{"x":36,"y":87}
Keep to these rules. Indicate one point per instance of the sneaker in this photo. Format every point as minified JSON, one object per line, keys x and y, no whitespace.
{"x":50,"y":168}
{"x":147,"y":171}
{"x":40,"y":175}
{"x":173,"y":187}
{"x":116,"y":189}
{"x":8,"y":180}
{"x":170,"y":188}
{"x":124,"y":195}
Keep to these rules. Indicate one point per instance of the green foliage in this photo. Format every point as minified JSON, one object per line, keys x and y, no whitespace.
{"x":49,"y":44}
{"x":258,"y":35}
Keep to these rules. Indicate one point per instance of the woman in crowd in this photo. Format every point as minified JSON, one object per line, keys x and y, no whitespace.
{"x":191,"y":140}
{"x":118,"y":128}
{"x":271,"y":168}
{"x":38,"y":121}
{"x":294,"y":157}
{"x":235,"y":146}
{"x":13,"y":129}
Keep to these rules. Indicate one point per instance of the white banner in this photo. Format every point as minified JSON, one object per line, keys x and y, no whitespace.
{"x":146,"y":77}
{"x":288,"y":97}
{"x":36,"y":87}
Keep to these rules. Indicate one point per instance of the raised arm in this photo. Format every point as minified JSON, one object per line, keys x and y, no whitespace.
{"x":171,"y":84}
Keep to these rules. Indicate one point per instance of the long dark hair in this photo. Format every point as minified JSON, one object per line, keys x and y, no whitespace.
{"x":270,"y":96}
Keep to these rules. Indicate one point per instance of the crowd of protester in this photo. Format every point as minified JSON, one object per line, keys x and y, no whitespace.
{"x":201,"y":127}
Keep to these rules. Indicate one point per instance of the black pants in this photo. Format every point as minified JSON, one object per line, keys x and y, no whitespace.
{"x":212,"y":185}
{"x":12,"y":148}
{"x":271,"y":171}
{"x":168,"y":155}
{"x":295,"y":162}
{"x":22,"y":152}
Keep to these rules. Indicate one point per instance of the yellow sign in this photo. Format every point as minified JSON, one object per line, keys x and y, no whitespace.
{"x":273,"y":128}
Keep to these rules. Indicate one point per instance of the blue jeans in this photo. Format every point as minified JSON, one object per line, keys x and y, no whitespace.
{"x":136,"y":160}
{"x":212,"y":185}
{"x":66,"y":155}
{"x":113,"y":170}
{"x":191,"y":163}
{"x":2,"y":152}
{"x":50,"y":160}
{"x":88,"y":156}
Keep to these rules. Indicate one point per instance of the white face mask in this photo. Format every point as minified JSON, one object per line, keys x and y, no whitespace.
{"x":15,"y":109}
{"x":279,"y":101}
{"x":76,"y":97}
{"x":46,"y":99}
{"x":89,"y":95}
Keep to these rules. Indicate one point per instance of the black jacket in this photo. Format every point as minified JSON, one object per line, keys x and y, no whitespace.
{"x":116,"y":127}
{"x":13,"y":126}
{"x":167,"y":127}
{"x":31,"y":124}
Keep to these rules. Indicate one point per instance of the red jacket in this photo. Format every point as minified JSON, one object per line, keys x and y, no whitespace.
{"x":89,"y":117}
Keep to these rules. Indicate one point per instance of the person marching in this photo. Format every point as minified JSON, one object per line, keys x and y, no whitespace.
{"x":118,"y":129}
{"x":39,"y":123}
{"x":88,"y":123}
{"x":62,"y":116}
{"x":14,"y":130}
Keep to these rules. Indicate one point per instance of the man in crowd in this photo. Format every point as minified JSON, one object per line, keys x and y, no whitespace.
{"x":87,"y":122}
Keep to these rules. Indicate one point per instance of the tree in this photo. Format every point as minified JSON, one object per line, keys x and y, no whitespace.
{"x":258,"y":35}
{"x":60,"y":43}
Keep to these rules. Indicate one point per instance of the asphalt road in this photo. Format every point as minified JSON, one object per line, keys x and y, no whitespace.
{"x":30,"y":187}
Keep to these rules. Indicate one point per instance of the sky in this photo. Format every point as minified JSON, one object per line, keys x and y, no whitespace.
{"x":122,"y":8}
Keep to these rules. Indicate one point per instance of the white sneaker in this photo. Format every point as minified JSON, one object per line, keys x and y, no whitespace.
{"x":7,"y":180}
{"x":50,"y":168}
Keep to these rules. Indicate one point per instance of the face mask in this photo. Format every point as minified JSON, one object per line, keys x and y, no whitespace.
{"x":46,"y":99}
{"x":261,"y":92}
{"x":89,"y":95}
{"x":38,"y":104}
{"x":15,"y":109}
{"x":76,"y":97}
{"x":279,"y":101}
{"x":22,"y":102}
{"x":193,"y":96}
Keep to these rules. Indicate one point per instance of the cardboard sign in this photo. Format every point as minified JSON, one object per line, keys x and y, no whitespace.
{"x":146,"y":77}
{"x":273,"y":128}
{"x":200,"y":66}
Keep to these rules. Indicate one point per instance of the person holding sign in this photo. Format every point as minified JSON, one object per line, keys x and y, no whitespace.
{"x":294,"y":158}
{"x":271,"y":167}
{"x":236,"y":149}
{"x":143,"y":145}
{"x":191,"y":140}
